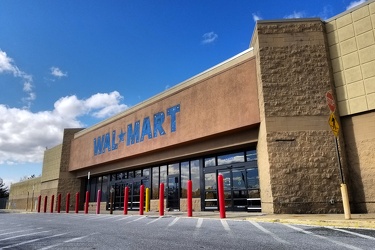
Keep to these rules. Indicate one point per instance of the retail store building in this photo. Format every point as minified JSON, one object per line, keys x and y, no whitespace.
{"x":259,"y":118}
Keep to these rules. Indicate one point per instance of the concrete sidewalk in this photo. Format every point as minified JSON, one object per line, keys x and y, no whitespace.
{"x":334,"y":220}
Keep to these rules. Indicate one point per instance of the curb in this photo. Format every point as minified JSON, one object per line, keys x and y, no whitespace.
{"x":318,"y":222}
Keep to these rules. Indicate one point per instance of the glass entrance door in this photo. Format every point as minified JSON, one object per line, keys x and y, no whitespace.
{"x":241,"y":187}
{"x":173,"y":192}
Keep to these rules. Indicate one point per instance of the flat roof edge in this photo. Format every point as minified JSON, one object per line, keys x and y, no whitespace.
{"x":349,"y":10}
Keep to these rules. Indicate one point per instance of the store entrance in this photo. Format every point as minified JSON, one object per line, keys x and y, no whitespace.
{"x":173,"y":192}
{"x":134,"y":193}
{"x":241,"y":187}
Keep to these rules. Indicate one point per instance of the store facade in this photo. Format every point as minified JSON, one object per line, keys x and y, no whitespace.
{"x":259,"y":118}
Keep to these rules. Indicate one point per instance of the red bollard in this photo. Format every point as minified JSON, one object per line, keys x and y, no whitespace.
{"x":141,"y":199}
{"x":77,"y":201}
{"x":52,"y":203}
{"x":190,"y":198}
{"x":39,"y":202}
{"x":45,"y":204}
{"x":98,"y":202}
{"x":58,"y":203}
{"x":87,"y":202}
{"x":161,"y":199}
{"x":220,"y":181}
{"x":67,"y":203}
{"x":126,"y":198}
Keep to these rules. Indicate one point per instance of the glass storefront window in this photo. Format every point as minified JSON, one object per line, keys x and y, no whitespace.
{"x":195,"y":178}
{"x":252,"y":178}
{"x":131,"y":174}
{"x":210,"y":181}
{"x":146,"y":172}
{"x":138,"y":173}
{"x":104,"y":187}
{"x":239,"y":179}
{"x":155,"y":182}
{"x":230,"y":158}
{"x":173,"y":168}
{"x":209,"y":162}
{"x":251,"y":155}
{"x":184,"y":178}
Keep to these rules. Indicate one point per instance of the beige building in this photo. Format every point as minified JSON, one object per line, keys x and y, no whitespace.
{"x":260,"y":119}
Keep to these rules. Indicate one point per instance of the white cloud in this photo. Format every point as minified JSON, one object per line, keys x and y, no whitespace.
{"x":24,"y":135}
{"x":55,"y":71}
{"x":295,"y":14}
{"x":7,"y":66}
{"x":209,"y":37}
{"x":256,"y":17}
{"x":355,"y":3}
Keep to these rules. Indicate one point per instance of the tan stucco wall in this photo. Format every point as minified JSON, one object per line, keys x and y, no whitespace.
{"x":220,"y":102}
{"x":24,"y":194}
{"x":298,"y":170}
{"x":359,"y":131}
{"x":351,"y":39}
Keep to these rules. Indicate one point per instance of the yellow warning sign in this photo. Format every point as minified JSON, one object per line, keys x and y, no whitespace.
{"x":334,"y":124}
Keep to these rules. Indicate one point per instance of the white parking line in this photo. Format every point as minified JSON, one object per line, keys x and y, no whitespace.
{"x":225,"y":225}
{"x":125,"y":217}
{"x":99,"y":217}
{"x":268,"y":232}
{"x":199,"y":223}
{"x":140,"y":218}
{"x":356,"y":234}
{"x":67,"y":241}
{"x":322,"y":237}
{"x":173,"y":222}
{"x":154,"y":221}
{"x":22,"y":235}
{"x":30,"y":241}
{"x":20,"y":231}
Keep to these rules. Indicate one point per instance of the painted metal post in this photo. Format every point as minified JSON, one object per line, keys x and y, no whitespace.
{"x":98,"y":201}
{"x":87,"y":202}
{"x":45,"y":204}
{"x":67,"y":203}
{"x":52,"y":203}
{"x":147,"y":200}
{"x":161,"y":199}
{"x":77,"y":201}
{"x":39,"y":202}
{"x":221,"y":196}
{"x":141,"y":199}
{"x":190,"y":198}
{"x":58,"y":203}
{"x":126,"y":198}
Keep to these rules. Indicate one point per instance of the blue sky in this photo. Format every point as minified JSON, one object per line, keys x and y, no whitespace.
{"x":74,"y":63}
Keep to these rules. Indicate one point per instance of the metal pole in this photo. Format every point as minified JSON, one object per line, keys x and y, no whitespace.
{"x":147,"y":200}
{"x":126,"y":198}
{"x":190,"y":198}
{"x":52,"y":203}
{"x":221,"y":196}
{"x":87,"y":202}
{"x":161,"y":199}
{"x":141,"y":199}
{"x":339,"y":160}
{"x":98,"y":201}
{"x":67,"y":203}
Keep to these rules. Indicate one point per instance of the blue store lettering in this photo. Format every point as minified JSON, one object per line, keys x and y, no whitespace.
{"x":136,"y":133}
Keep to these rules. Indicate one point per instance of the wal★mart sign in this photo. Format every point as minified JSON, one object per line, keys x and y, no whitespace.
{"x":134,"y":133}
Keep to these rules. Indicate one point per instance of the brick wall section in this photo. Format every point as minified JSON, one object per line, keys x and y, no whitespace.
{"x":21,"y":195}
{"x":360,"y":145}
{"x":68,"y":182}
{"x":297,"y":161}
